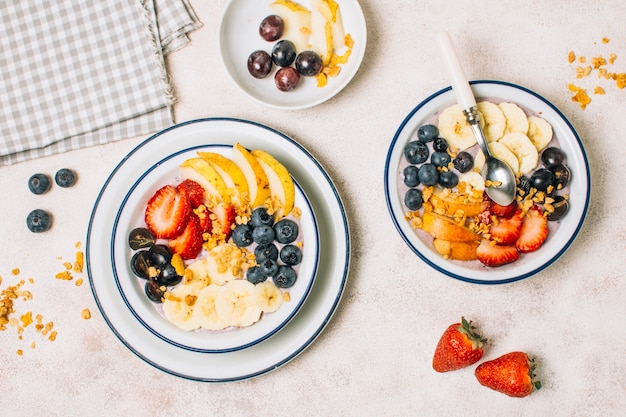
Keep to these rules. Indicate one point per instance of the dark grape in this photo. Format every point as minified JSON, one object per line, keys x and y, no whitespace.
{"x":140,"y":264}
{"x":561,"y":206}
{"x":284,"y":53}
{"x":259,"y":64}
{"x":552,"y":156}
{"x":168,"y":276}
{"x":161,"y":255}
{"x":140,"y":237}
{"x":542,"y":179}
{"x":154,"y":292}
{"x":286,"y":78}
{"x":561,"y":175}
{"x":271,"y":28}
{"x":309,"y":63}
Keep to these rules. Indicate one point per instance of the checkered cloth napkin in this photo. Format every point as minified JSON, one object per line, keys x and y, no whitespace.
{"x":78,"y":73}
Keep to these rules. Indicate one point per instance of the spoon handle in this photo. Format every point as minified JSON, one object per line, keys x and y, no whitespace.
{"x":460,"y":86}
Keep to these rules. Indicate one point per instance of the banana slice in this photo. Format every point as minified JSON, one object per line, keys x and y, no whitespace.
{"x":178,"y":307}
{"x":197,"y":274}
{"x":539,"y":132}
{"x":454,"y":128}
{"x":523,"y":149}
{"x":236,"y":303}
{"x":516,"y":120}
{"x":501,"y":152}
{"x":205,"y":311}
{"x":473,"y":179}
{"x":494,"y":119}
{"x":269,"y":296}
{"x":224,"y":263}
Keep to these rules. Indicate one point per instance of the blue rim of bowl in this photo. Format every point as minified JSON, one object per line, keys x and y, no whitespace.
{"x":424,"y":257}
{"x":129,"y":305}
{"x":315,"y":334}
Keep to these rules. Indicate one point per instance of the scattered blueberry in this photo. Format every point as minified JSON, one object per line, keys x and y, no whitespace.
{"x":65,"y":177}
{"x":38,"y":221}
{"x":286,"y":231}
{"x":410,"y":176}
{"x":428,"y":174}
{"x":286,"y":277}
{"x":440,"y":145}
{"x":263,"y":235}
{"x":291,"y":255}
{"x":242,"y":235}
{"x":463,"y":162}
{"x":448,"y":179}
{"x":255,"y":275}
{"x":260,"y":217}
{"x":140,"y":237}
{"x":267,"y":251}
{"x":416,"y":152}
{"x":268,"y":267}
{"x":39,"y":183}
{"x":427,"y":133}
{"x":440,"y":159}
{"x":413,"y":199}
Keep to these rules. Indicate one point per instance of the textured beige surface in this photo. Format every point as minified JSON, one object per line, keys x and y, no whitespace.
{"x":374,"y":356}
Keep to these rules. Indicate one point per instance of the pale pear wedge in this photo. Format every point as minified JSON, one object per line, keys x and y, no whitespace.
{"x":231,"y":173}
{"x":258,"y":184}
{"x":281,"y":184}
{"x":297,"y":20}
{"x":202,"y":172}
{"x":332,"y":13}
{"x":321,"y":36}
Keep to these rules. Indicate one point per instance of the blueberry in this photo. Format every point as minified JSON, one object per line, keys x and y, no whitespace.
{"x":39,"y":183}
{"x":291,"y":255}
{"x":263,"y":235}
{"x":140,"y":237}
{"x":285,"y":277}
{"x":255,"y":275}
{"x":154,"y":292}
{"x":242,"y":235}
{"x":65,"y":177}
{"x":413,"y":199}
{"x":552,"y":156}
{"x":541,"y":179}
{"x":260,"y":217}
{"x":561,"y":175}
{"x":463,"y":162}
{"x":269,"y":267}
{"x":286,"y":231}
{"x":440,"y":159}
{"x":440,"y":145}
{"x":263,"y":252}
{"x":161,"y":255}
{"x":428,"y":174}
{"x":38,"y":221}
{"x":448,"y":179}
{"x":416,"y":152}
{"x":427,"y":133}
{"x":410,"y":176}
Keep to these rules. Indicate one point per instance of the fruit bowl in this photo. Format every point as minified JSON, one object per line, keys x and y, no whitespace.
{"x":239,"y":37}
{"x":561,"y":233}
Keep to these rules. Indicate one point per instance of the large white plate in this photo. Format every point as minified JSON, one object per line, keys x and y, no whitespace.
{"x":239,"y":37}
{"x":557,"y":242}
{"x":299,"y":333}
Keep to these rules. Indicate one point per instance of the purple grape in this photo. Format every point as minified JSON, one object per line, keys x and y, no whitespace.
{"x":286,"y":78}
{"x":259,"y":64}
{"x":308,"y":63}
{"x":271,"y":28}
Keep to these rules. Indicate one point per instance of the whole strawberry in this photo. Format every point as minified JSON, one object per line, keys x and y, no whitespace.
{"x":511,"y":374}
{"x":458,"y":347}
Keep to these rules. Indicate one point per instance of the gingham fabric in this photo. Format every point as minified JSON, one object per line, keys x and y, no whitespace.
{"x":78,"y":73}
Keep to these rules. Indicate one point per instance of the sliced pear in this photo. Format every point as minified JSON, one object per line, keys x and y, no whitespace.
{"x":281,"y":184}
{"x":203,"y":173}
{"x":297,"y":21}
{"x":321,"y":36}
{"x":258,"y":184}
{"x":232,"y":175}
{"x":332,"y":13}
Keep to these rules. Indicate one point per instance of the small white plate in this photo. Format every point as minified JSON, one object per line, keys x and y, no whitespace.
{"x":239,"y":37}
{"x":105,"y":248}
{"x":529,"y":263}
{"x":130,"y":215}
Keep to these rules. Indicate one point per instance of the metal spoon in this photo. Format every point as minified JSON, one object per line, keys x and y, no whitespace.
{"x":501,"y":186}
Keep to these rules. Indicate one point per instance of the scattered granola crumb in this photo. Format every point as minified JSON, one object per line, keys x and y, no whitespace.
{"x":605,"y":40}
{"x":15,"y":271}
{"x":67,"y":265}
{"x":599,"y":90}
{"x":571,"y":57}
{"x":86,"y":314}
{"x":79,"y":282}
{"x":64,"y":275}
{"x":77,"y":245}
{"x":53,"y":336}
{"x":79,"y":263}
{"x":20,"y":352}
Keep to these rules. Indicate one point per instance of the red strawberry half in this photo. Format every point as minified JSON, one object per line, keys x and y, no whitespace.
{"x":193,"y":190}
{"x":511,"y":374}
{"x":495,"y":255}
{"x":534,"y":231}
{"x":167,"y":213}
{"x":226,"y":215}
{"x":458,"y":347}
{"x":503,"y":211}
{"x":189,"y":244}
{"x":506,"y":231}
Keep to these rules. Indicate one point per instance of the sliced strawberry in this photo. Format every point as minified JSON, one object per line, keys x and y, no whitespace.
{"x":167,"y":213}
{"x":534,"y":230}
{"x":506,"y":231}
{"x":193,"y":190}
{"x":189,"y":244}
{"x":206,"y":224}
{"x":225,"y":214}
{"x":495,"y":255}
{"x":503,"y":211}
